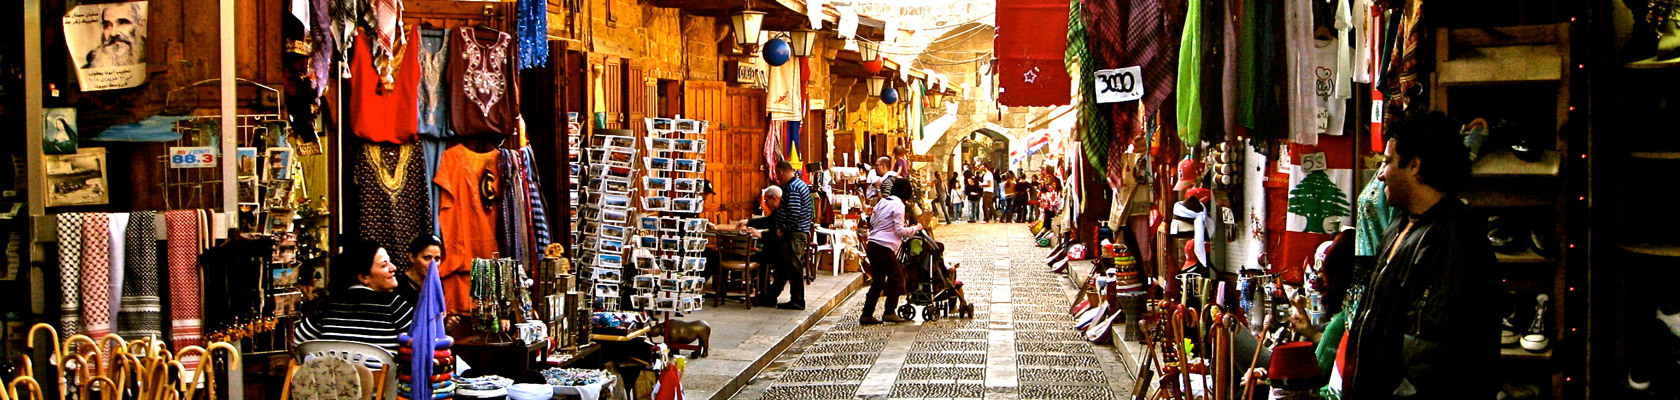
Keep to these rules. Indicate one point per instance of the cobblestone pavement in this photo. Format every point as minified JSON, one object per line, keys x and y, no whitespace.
{"x":1019,"y":345}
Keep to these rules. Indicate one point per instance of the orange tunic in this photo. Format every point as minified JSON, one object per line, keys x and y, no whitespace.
{"x":467,"y":221}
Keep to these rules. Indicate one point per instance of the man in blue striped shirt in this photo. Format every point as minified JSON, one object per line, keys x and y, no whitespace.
{"x":793,"y":224}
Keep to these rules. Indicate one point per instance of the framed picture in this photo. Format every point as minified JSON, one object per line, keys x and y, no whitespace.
{"x":656,"y":184}
{"x":615,"y":215}
{"x":615,"y":200}
{"x":279,"y":221}
{"x":657,"y":163}
{"x":609,"y":260}
{"x":60,"y":135}
{"x":247,"y":162}
{"x":614,"y":232}
{"x":279,"y":163}
{"x":609,"y":275}
{"x":621,"y":142}
{"x":649,"y":223}
{"x":77,"y":179}
{"x":686,"y":145}
{"x":687,"y":126}
{"x":660,"y":144}
{"x":641,"y":301}
{"x":663,"y":124}
{"x":694,"y":225}
{"x":606,"y":290}
{"x":685,"y":185}
{"x":248,"y":190}
{"x":670,"y":244}
{"x":670,"y":224}
{"x":619,"y":172}
{"x":610,"y":246}
{"x":685,"y":205}
{"x":279,"y":194}
{"x":655,"y":203}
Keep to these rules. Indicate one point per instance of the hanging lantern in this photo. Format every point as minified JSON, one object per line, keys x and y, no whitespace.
{"x":935,"y":97}
{"x":776,"y":52}
{"x":746,"y":24}
{"x":875,"y":83}
{"x":803,"y":39}
{"x":868,"y":50}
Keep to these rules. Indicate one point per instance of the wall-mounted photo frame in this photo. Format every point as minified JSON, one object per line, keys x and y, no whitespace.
{"x":60,"y":134}
{"x":77,"y":179}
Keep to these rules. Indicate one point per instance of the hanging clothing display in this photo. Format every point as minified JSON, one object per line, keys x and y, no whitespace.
{"x":468,"y":185}
{"x":117,"y":263}
{"x":1330,"y":87}
{"x":70,"y":271}
{"x":1299,"y":74}
{"x":141,"y":313}
{"x":187,"y":234}
{"x":783,"y":98}
{"x":392,"y":199}
{"x":1373,"y":218}
{"x":511,"y":234}
{"x":539,"y":215}
{"x":483,"y":83}
{"x":386,"y":109}
{"x":96,"y":275}
{"x":533,"y":33}
{"x":1189,"y":90}
{"x":434,"y":104}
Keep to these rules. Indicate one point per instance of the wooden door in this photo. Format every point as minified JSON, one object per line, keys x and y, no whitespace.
{"x":612,"y":87}
{"x":845,"y":148}
{"x":814,"y":139}
{"x":734,"y":153}
{"x":636,"y":100}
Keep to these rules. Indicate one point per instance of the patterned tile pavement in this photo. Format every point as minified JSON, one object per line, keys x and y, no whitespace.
{"x":1019,"y":345}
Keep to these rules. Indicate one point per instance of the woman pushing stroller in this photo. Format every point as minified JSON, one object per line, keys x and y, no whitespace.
{"x":886,"y":232}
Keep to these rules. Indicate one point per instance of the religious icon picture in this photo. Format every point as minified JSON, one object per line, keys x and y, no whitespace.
{"x":59,"y":135}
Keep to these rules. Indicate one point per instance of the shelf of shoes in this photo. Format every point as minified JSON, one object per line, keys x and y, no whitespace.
{"x":1527,"y":256}
{"x":1661,"y":250}
{"x":1518,"y":353}
{"x":1512,"y":55}
{"x":1655,"y":155}
{"x":1503,"y":163}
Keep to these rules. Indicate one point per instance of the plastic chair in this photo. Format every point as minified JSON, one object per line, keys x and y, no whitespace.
{"x":356,"y":353}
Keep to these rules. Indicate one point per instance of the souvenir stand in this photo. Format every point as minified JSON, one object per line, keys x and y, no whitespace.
{"x":667,"y":251}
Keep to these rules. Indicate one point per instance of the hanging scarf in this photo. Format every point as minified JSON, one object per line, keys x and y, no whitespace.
{"x":1201,"y":222}
{"x":1094,"y":127}
{"x":426,"y":334}
{"x":96,"y":275}
{"x":185,"y":312}
{"x":533,"y":33}
{"x":117,"y":263}
{"x":539,"y":216}
{"x":141,"y":315}
{"x":70,"y":271}
{"x":346,"y":14}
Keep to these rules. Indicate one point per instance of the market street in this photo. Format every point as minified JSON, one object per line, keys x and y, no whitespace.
{"x":1019,"y":344}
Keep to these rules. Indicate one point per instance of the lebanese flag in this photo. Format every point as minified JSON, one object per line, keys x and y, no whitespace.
{"x":1314,"y":205}
{"x":1031,"y":37}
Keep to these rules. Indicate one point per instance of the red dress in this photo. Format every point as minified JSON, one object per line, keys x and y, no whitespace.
{"x":467,"y":220}
{"x":386,"y":114}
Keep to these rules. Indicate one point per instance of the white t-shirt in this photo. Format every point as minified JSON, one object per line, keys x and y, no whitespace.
{"x":986,"y":182}
{"x":1331,"y":86}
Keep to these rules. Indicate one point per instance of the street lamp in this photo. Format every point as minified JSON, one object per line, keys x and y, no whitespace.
{"x":875,"y":83}
{"x":746,"y":24}
{"x":802,"y":41}
{"x":869,"y":51}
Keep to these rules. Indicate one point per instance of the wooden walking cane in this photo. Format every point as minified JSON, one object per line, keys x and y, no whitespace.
{"x":1179,"y":316}
{"x":23,"y":380}
{"x":208,"y":372}
{"x":57,"y":357}
{"x":1248,"y":390}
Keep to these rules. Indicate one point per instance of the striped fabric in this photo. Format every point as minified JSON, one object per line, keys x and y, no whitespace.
{"x":185,"y":309}
{"x":117,"y":262}
{"x":359,"y":315}
{"x":794,"y":214}
{"x":539,"y":216}
{"x":141,"y":314}
{"x":70,"y":271}
{"x":96,"y":275}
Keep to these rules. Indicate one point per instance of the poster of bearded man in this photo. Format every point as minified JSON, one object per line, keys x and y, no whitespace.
{"x":108,"y":43}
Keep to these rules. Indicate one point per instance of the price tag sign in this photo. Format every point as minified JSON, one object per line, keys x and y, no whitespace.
{"x":1119,"y":85}
{"x":192,"y":157}
{"x":1313,"y":162}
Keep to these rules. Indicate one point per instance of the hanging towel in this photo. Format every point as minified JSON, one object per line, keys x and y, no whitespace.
{"x":70,"y":271}
{"x":184,"y":307}
{"x":141,"y":315}
{"x":96,"y":275}
{"x":117,"y":260}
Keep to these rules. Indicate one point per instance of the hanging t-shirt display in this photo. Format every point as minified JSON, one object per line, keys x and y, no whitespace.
{"x":467,"y":182}
{"x":434,"y":104}
{"x":483,"y":82}
{"x":385,"y":108}
{"x":1320,"y":200}
{"x":392,"y":202}
{"x":1329,"y":92}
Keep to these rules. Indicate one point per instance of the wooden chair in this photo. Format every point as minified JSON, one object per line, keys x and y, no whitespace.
{"x":357,"y":353}
{"x":737,"y":270}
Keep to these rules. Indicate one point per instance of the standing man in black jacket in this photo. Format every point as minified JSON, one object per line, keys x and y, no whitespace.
{"x":1428,"y":326}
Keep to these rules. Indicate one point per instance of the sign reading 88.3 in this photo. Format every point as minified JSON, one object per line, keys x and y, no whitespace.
{"x":192,"y":157}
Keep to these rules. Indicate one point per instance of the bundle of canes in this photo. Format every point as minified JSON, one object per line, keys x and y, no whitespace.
{"x":1181,"y":314}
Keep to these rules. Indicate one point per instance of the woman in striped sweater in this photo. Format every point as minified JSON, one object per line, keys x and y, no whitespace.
{"x":363,"y":305}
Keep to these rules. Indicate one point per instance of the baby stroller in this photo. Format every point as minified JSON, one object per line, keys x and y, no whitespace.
{"x":933,"y":286}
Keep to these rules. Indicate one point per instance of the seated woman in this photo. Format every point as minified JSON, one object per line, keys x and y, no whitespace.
{"x":363,"y":305}
{"x":425,"y":249}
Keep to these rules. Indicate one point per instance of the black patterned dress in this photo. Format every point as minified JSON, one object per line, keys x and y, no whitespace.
{"x":393,"y":206}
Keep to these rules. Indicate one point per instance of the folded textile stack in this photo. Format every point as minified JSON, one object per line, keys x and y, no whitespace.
{"x":574,"y":376}
{"x":443,"y":369}
{"x":484,"y":387}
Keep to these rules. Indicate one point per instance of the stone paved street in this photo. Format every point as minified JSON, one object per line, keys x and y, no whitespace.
{"x":1019,"y":345}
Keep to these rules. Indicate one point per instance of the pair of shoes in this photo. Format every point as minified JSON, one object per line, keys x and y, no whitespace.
{"x":868,"y":320}
{"x":894,"y":318}
{"x":790,"y":306}
{"x":762,"y":303}
{"x":1535,"y":339}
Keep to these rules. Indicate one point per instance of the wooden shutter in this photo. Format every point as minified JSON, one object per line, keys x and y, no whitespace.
{"x":613,"y":82}
{"x":636,"y":98}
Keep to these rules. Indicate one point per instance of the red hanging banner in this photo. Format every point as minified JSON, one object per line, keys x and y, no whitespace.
{"x":1031,"y":37}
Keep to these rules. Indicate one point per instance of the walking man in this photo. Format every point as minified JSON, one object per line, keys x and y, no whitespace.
{"x":988,"y":193}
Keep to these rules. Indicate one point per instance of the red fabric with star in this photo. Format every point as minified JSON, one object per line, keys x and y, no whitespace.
{"x":1030,"y":67}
